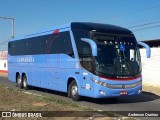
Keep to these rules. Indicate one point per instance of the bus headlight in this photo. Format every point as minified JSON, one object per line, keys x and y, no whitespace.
{"x":104,"y":84}
{"x":99,"y":82}
{"x":96,"y":81}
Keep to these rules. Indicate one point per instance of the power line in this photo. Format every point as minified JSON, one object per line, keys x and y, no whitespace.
{"x":146,"y":28}
{"x":142,"y":20}
{"x":2,"y":43}
{"x":123,"y":14}
{"x":7,"y":21}
{"x":12,"y":19}
{"x":140,"y":25}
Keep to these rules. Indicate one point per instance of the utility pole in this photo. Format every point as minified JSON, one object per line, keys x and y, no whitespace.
{"x":12,"y":24}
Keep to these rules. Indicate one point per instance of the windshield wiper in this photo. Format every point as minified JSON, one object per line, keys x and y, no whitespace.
{"x":120,"y":61}
{"x":130,"y":69}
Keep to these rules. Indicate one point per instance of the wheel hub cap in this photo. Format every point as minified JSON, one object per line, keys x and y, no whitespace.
{"x":74,"y":91}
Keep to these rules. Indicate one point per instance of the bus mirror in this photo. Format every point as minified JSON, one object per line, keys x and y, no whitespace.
{"x":148,"y":50}
{"x":92,"y":44}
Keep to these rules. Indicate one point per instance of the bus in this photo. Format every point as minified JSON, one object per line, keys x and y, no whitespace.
{"x":81,"y":59}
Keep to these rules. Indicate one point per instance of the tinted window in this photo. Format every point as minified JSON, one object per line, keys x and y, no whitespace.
{"x":47,"y":44}
{"x":84,"y":49}
{"x":60,"y":43}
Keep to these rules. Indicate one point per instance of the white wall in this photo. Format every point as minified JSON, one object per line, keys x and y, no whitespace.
{"x":3,"y":65}
{"x":3,"y":60}
{"x":151,"y":67}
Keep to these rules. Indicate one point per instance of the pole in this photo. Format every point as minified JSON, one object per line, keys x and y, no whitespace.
{"x":12,"y":24}
{"x":12,"y":27}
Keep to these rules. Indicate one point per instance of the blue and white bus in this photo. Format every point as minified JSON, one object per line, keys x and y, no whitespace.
{"x":81,"y":59}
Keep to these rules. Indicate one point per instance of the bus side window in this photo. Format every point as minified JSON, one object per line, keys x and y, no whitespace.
{"x":67,"y":45}
{"x":9,"y":45}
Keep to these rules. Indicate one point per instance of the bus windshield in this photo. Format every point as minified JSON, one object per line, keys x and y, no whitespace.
{"x":118,"y":55}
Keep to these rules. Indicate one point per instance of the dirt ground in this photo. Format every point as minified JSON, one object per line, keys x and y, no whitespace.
{"x":16,"y":100}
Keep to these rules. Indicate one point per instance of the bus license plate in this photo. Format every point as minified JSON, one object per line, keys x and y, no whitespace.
{"x":123,"y":93}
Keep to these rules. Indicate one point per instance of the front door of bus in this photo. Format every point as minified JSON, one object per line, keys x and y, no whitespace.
{"x":86,"y":75}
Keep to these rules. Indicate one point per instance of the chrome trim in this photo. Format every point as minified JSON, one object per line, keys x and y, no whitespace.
{"x":124,"y":86}
{"x":113,"y":86}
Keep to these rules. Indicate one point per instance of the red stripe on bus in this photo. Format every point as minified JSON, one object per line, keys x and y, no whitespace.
{"x":55,"y":31}
{"x":121,"y":79}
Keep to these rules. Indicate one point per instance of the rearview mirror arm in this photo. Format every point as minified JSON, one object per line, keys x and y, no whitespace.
{"x":148,"y":50}
{"x":92,"y":44}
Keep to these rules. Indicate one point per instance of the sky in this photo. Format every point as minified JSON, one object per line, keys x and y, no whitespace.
{"x":140,"y":16}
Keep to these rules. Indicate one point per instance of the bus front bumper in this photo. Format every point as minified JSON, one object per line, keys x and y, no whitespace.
{"x":104,"y":92}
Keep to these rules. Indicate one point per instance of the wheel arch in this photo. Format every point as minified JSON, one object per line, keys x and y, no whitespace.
{"x":17,"y":74}
{"x":70,"y":79}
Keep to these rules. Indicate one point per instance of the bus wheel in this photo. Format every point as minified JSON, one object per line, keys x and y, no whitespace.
{"x":24,"y":82}
{"x":69,"y":90}
{"x":74,"y":91}
{"x":19,"y":81}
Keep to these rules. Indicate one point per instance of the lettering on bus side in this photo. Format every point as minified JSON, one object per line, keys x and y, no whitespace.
{"x":25,"y":59}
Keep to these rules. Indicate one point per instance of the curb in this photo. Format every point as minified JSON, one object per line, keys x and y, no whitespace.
{"x":4,"y":72}
{"x":151,"y":89}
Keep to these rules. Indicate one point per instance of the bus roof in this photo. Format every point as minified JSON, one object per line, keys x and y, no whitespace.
{"x":48,"y":31}
{"x":99,"y":27}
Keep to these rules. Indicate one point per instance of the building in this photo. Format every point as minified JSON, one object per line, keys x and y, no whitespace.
{"x":3,"y":61}
{"x":153,"y":43}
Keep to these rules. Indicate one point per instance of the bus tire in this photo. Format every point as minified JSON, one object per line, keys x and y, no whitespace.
{"x":69,"y":90}
{"x":24,"y":82}
{"x":73,"y":88}
{"x":19,"y":81}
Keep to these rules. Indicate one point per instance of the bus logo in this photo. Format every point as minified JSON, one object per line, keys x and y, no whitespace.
{"x":123,"y":86}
